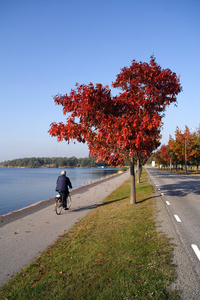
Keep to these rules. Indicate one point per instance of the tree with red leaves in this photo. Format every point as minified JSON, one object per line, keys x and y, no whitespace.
{"x":162,"y":156}
{"x":185,"y":148}
{"x":121,"y":127}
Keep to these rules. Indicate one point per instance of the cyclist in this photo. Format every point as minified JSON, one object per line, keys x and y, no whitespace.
{"x":62,"y":187}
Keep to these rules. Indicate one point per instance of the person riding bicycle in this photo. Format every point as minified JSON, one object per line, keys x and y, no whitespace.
{"x":62,"y":187}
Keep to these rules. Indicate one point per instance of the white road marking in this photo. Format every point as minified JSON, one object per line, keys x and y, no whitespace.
{"x":167,"y":202}
{"x":196,"y":250}
{"x":177,"y":218}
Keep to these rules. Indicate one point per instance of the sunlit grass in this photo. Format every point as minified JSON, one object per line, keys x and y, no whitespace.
{"x":115,"y":252}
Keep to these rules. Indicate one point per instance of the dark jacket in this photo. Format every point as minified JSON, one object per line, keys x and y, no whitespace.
{"x":62,"y":183}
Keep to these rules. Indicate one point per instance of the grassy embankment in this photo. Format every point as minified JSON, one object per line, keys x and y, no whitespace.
{"x":115,"y":252}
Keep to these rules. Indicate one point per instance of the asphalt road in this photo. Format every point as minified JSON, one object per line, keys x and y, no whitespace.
{"x":179,"y":205}
{"x":26,"y":233}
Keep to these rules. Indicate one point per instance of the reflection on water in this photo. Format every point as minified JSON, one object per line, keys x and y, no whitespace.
{"x":22,"y":187}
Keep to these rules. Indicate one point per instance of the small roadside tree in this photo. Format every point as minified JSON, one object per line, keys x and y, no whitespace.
{"x":165,"y":158}
{"x":181,"y":146}
{"x":121,"y":127}
{"x":161,"y":156}
{"x":195,"y":148}
{"x":172,"y":150}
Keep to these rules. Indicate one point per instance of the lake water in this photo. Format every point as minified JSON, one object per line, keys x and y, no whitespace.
{"x":22,"y":187}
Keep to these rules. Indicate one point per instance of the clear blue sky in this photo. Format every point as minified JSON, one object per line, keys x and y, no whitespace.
{"x":49,"y":45}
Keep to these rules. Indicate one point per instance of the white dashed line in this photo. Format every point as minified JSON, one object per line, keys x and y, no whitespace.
{"x":177,"y":218}
{"x":167,"y":202}
{"x":196,"y":250}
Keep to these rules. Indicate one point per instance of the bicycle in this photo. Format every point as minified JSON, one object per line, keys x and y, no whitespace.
{"x":59,"y":203}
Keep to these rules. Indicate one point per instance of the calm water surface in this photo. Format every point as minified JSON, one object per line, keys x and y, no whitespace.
{"x":22,"y":187}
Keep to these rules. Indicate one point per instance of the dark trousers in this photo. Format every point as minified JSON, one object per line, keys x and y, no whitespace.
{"x":64,"y":197}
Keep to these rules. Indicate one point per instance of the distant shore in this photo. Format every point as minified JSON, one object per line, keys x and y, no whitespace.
{"x":54,"y":162}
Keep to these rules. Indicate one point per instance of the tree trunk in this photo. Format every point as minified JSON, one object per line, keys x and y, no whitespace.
{"x":132,"y":174}
{"x":138,"y":170}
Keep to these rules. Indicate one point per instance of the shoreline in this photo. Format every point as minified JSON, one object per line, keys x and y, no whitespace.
{"x":39,"y":184}
{"x":27,"y":210}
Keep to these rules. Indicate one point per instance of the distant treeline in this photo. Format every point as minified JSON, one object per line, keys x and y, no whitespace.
{"x":54,"y":162}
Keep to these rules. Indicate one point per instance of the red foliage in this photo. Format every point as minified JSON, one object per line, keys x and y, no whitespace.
{"x":116,"y":128}
{"x":165,"y":158}
{"x":185,"y":143}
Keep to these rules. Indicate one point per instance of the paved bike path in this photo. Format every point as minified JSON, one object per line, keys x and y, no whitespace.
{"x":26,"y":233}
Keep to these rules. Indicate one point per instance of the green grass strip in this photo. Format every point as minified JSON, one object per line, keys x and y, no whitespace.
{"x":115,"y":252}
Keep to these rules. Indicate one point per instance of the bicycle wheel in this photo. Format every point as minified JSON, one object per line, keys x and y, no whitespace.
{"x":58,"y":207}
{"x":69,"y":201}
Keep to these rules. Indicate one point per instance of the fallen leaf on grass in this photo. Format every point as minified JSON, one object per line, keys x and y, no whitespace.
{"x":141,"y":281}
{"x":98,"y":259}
